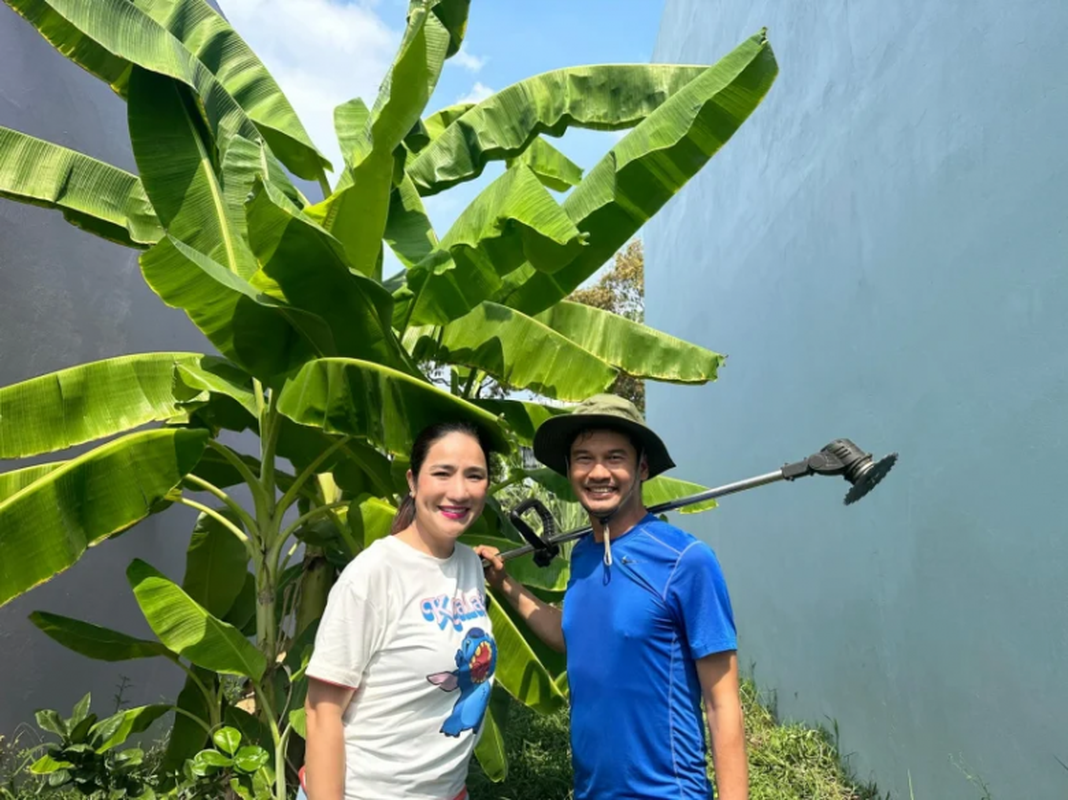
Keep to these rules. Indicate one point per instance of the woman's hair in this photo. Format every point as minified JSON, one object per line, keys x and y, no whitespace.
{"x":426,"y":439}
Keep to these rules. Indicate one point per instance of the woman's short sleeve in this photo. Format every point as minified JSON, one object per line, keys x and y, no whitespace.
{"x":353,"y":626}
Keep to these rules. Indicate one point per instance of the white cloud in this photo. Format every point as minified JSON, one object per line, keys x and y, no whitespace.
{"x":321,"y":52}
{"x":478,"y":93}
{"x":468,"y":61}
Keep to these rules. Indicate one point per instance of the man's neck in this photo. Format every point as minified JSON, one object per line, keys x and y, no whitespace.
{"x":620,"y":523}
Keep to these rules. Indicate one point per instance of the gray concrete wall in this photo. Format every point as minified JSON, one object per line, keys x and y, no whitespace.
{"x":882,"y":252}
{"x":67,"y":297}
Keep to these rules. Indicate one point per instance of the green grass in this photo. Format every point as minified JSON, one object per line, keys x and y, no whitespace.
{"x":786,"y":762}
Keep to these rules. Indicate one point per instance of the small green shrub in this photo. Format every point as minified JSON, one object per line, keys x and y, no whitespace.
{"x":79,"y":756}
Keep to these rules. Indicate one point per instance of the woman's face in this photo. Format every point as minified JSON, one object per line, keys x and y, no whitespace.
{"x":450,"y":490}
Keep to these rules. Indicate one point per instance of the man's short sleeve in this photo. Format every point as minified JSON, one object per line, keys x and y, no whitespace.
{"x":697,"y":594}
{"x":351,"y":631}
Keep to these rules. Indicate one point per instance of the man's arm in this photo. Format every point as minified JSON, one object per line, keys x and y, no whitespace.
{"x":544,"y":619}
{"x":324,"y":758}
{"x":718,"y":674}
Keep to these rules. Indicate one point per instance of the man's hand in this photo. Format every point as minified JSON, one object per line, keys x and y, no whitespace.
{"x":542,"y":618}
{"x":718,"y":674}
{"x":496,"y":574}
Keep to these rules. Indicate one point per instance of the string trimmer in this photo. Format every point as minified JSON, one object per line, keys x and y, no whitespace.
{"x":840,"y":457}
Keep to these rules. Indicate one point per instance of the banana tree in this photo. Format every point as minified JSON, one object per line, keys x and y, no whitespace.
{"x":316,"y":353}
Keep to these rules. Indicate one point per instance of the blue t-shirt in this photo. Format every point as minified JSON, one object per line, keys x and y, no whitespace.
{"x":633,"y":631}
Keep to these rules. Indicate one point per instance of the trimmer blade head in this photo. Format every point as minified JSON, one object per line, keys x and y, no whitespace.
{"x":870,"y":477}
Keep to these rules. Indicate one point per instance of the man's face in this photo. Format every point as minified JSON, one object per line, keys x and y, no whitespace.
{"x":603,"y":468}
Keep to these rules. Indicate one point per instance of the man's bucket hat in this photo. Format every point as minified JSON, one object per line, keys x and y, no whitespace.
{"x":552,"y":442}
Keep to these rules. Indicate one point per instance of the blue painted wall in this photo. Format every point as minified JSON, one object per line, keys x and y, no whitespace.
{"x":882,"y":251}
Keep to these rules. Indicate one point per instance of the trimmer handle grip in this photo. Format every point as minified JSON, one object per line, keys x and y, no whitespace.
{"x":544,"y":550}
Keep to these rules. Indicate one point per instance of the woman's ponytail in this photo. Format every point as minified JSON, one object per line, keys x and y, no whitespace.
{"x":404,"y":516}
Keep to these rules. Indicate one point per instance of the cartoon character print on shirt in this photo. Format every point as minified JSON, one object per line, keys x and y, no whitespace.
{"x":476,"y":661}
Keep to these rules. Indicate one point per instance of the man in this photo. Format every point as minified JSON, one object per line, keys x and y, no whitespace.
{"x":646,"y":624}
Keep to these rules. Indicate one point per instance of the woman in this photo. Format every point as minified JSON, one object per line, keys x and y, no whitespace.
{"x":404,"y":656}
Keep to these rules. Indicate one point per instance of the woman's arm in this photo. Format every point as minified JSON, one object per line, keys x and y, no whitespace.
{"x":324,"y":759}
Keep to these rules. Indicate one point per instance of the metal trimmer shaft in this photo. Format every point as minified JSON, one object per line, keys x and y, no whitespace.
{"x":840,"y":457}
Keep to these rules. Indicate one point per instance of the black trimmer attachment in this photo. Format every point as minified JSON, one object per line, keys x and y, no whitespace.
{"x":840,"y":457}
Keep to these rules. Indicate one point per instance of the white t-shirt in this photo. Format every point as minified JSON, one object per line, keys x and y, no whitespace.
{"x":409,"y":631}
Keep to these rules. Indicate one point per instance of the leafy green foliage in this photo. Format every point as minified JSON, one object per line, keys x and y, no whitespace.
{"x":85,"y":756}
{"x":243,"y":770}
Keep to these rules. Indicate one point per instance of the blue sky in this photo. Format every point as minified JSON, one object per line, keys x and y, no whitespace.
{"x":324,"y":52}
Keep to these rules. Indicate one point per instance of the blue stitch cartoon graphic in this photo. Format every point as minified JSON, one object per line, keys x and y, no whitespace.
{"x":476,"y":660}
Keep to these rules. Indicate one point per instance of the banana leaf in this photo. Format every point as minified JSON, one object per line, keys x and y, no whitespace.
{"x":555,"y":170}
{"x":94,"y":641}
{"x":306,"y":267}
{"x":663,"y":489}
{"x":554,"y":662}
{"x":242,"y":613}
{"x":638,"y":350}
{"x":489,"y":750}
{"x":108,"y":37}
{"x":350,"y":125}
{"x":408,"y":230}
{"x":211,"y":39}
{"x":356,"y":466}
{"x":648,"y":167}
{"x":523,"y":417}
{"x":452,"y":14}
{"x":512,"y":221}
{"x":601,"y":97}
{"x":415,"y":71}
{"x":213,"y":558}
{"x":218,"y":376}
{"x":242,"y":164}
{"x":518,"y":351}
{"x":370,"y":520}
{"x":387,"y":407}
{"x":519,"y":671}
{"x":18,"y":479}
{"x":263,"y":336}
{"x":217,"y":470}
{"x":45,"y":528}
{"x":176,"y":160}
{"x":357,"y":213}
{"x":185,"y":627}
{"x":436,"y":123}
{"x":91,"y":401}
{"x":94,"y":196}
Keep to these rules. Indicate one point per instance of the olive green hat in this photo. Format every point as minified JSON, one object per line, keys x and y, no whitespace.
{"x":552,"y":442}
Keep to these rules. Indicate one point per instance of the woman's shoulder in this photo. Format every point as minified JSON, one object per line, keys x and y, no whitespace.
{"x":470,"y":562}
{"x":467,"y":554}
{"x":371,"y":563}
